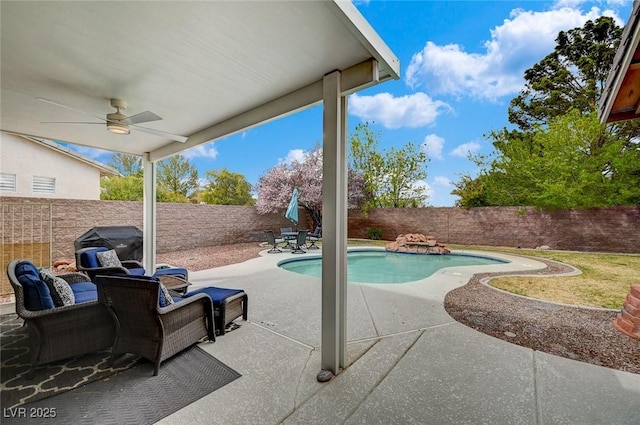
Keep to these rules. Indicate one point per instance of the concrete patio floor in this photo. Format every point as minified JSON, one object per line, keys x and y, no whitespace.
{"x":410,"y":362}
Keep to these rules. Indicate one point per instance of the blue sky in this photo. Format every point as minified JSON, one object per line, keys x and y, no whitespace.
{"x":461,"y":63}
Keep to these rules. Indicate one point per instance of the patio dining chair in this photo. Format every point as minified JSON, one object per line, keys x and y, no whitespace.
{"x":314,"y":237}
{"x":299,"y":243}
{"x":273,"y":241}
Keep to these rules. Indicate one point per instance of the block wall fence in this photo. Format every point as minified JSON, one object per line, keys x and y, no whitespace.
{"x":185,"y":226}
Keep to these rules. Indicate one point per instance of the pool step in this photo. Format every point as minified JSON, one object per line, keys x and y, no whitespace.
{"x":628,"y":320}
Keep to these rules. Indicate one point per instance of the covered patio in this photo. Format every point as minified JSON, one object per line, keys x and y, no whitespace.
{"x":209,"y":70}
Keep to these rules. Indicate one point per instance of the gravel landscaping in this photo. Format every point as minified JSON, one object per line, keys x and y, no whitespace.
{"x":581,"y":334}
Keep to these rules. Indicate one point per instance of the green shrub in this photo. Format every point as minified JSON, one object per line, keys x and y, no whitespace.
{"x":374,"y":233}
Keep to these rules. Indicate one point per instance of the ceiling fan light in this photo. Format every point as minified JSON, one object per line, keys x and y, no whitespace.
{"x":117,"y":128}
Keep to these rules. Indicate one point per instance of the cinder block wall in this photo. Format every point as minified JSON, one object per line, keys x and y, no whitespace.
{"x":604,"y":229}
{"x":179,"y":226}
{"x":185,"y":226}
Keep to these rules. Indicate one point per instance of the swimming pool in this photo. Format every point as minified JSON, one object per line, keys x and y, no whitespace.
{"x":369,"y":266}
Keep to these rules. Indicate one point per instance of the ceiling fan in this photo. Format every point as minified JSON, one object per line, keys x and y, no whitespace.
{"x":117,"y":122}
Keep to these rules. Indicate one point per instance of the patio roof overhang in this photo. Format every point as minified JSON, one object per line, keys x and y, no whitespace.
{"x":620,"y":99}
{"x":209,"y":69}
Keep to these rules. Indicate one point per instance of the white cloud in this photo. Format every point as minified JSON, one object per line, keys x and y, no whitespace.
{"x":294,"y":155}
{"x":465,"y":149}
{"x":522,"y":40}
{"x":415,"y":110}
{"x":202,"y":151}
{"x":442,"y":181}
{"x":94,"y":153}
{"x":432,"y":146}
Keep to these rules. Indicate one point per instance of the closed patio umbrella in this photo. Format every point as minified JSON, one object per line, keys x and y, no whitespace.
{"x":292,"y":210}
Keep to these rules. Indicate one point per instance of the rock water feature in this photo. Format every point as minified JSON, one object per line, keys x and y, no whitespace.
{"x":417,"y":243}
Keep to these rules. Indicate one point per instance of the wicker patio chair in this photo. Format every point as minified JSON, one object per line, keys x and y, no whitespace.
{"x":62,"y":332}
{"x":144,"y":328}
{"x":86,"y":261}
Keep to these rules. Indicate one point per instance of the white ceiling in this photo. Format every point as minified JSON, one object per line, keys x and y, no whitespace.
{"x":195,"y":64}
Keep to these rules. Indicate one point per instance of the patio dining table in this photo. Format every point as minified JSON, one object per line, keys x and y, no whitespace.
{"x":288,"y":237}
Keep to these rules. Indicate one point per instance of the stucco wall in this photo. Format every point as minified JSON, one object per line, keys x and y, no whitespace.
{"x":26,"y":159}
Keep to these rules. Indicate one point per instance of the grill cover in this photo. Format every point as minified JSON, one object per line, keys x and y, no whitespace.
{"x":126,"y":240}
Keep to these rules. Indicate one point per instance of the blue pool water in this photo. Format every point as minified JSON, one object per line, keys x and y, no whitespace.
{"x":388,"y":267}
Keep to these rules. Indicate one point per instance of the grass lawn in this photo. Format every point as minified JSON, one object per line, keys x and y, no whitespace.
{"x":604,"y":282}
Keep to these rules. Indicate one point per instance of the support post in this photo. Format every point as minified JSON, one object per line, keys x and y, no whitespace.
{"x":334,"y":223}
{"x":149,"y":214}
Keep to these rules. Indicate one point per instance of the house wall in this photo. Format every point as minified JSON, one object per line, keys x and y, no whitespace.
{"x":26,"y":159}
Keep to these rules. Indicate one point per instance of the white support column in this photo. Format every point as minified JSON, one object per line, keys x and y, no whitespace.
{"x":334,"y":236}
{"x":149,"y":214}
{"x":343,"y":222}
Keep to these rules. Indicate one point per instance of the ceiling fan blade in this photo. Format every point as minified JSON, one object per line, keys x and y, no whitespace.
{"x":69,"y":122}
{"x":91,"y":114}
{"x":145,"y":116}
{"x":180,"y":139}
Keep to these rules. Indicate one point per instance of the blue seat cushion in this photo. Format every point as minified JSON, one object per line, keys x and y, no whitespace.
{"x":136,"y":271}
{"x":173,"y":271}
{"x":84,"y":292}
{"x":37,"y":295}
{"x":89,"y":259}
{"x":217,"y":295}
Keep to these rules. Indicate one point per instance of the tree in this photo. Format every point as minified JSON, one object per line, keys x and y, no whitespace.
{"x":471,"y":192}
{"x":276,"y":186}
{"x":121,"y":188}
{"x":126,"y":164}
{"x":574,"y":162}
{"x":391,"y":178}
{"x":571,"y":77}
{"x":226,"y":188}
{"x":177,"y":179}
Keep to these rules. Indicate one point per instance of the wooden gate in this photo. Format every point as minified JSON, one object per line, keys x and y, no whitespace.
{"x":26,"y":234}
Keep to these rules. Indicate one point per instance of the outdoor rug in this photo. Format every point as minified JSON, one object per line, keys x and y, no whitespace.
{"x":50,"y":379}
{"x":84,"y":390}
{"x":135,"y":396}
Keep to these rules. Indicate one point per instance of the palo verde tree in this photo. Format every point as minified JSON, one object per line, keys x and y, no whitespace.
{"x":276,"y":186}
{"x":392,"y":177}
{"x":226,"y":188}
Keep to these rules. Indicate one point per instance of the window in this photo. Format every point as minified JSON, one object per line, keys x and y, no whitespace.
{"x":7,"y":182}
{"x":44,"y":185}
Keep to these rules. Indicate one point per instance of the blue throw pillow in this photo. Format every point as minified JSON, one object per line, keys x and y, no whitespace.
{"x":36,"y":293}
